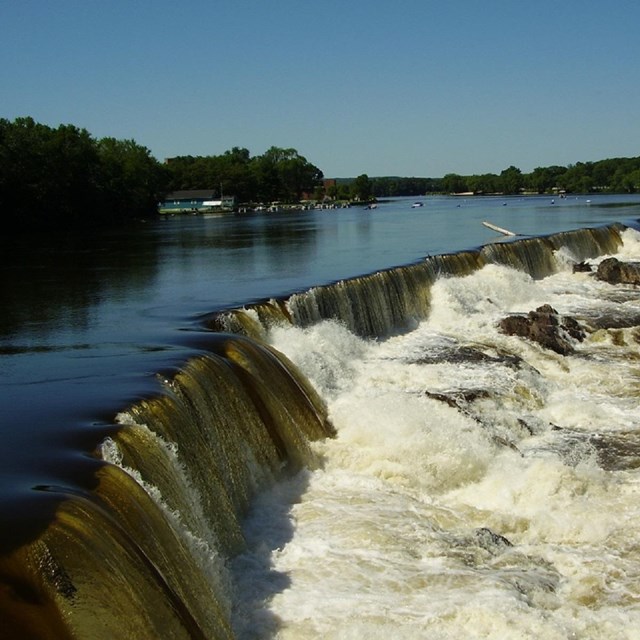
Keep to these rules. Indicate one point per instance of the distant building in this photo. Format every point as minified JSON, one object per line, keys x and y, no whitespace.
{"x":196,"y":201}
{"x":327,"y":183}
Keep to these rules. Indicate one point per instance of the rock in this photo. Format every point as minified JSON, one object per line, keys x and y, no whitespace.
{"x":613,"y":271}
{"x":458,"y":399}
{"x":492,"y":542}
{"x":582,"y":267}
{"x":617,"y":451}
{"x":463,"y":355}
{"x":546,"y":327}
{"x":624,"y":320}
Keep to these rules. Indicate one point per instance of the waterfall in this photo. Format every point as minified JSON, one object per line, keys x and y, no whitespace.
{"x":381,"y":303}
{"x":144,"y":553}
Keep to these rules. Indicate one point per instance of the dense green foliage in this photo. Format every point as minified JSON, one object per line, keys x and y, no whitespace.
{"x":614,"y":175}
{"x":277,"y":175}
{"x":63,"y":178}
{"x":396,"y":186}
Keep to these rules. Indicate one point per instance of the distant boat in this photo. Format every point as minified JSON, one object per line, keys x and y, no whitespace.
{"x":415,"y":205}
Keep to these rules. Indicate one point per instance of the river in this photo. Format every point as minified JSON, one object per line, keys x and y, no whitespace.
{"x":405,"y":469}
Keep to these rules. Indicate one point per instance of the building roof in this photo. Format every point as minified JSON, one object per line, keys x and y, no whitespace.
{"x":192,"y":194}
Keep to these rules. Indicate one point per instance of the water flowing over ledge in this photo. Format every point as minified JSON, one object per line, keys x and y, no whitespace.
{"x":145,"y":553}
{"x":384,"y":302}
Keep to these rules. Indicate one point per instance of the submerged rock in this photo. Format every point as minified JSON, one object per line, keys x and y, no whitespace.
{"x":617,"y":451}
{"x":460,"y":398}
{"x":546,"y":327}
{"x":613,"y":271}
{"x":623,"y":319}
{"x":461,"y":354}
{"x":454,"y":353}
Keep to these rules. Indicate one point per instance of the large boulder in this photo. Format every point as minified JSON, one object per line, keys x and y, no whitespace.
{"x":546,"y":327}
{"x":613,"y":271}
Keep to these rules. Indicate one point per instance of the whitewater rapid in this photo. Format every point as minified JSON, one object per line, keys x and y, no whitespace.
{"x":479,"y":486}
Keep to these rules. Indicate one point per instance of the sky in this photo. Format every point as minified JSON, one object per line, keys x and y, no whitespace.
{"x":405,"y":88}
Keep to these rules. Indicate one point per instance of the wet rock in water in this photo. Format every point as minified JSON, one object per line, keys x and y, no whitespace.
{"x":455,"y":354}
{"x":503,"y":442}
{"x":613,"y":271}
{"x":623,"y":320}
{"x":490,"y":541}
{"x":458,"y":399}
{"x":546,"y":327}
{"x":582,"y":267}
{"x":617,"y":451}
{"x":461,"y":354}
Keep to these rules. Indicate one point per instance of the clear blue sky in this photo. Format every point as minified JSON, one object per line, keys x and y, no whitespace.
{"x":411,"y":87}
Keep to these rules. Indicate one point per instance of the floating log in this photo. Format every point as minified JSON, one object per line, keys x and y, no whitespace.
{"x":493,"y":227}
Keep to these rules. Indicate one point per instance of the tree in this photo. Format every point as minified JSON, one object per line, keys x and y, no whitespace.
{"x":283,"y":174}
{"x":454,"y":183}
{"x":49,"y":176}
{"x":131,"y":181}
{"x":576,"y":178}
{"x":511,"y":180}
{"x":236,"y":177}
{"x":278,"y":174}
{"x":486,"y":183}
{"x":265,"y":173}
{"x":633,"y":181}
{"x":297,"y":176}
{"x":361,"y":188}
{"x":539,"y":180}
{"x":63,"y":179}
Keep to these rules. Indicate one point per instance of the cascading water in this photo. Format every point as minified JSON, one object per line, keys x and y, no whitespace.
{"x":479,"y":485}
{"x":387,"y":301}
{"x":144,"y":555}
{"x":475,"y":484}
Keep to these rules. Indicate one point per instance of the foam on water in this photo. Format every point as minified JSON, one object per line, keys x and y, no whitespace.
{"x":479,"y":485}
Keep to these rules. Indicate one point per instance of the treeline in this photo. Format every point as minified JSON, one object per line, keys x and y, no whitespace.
{"x":276,"y":175}
{"x":365,"y":188}
{"x":63,"y":178}
{"x":614,"y":175}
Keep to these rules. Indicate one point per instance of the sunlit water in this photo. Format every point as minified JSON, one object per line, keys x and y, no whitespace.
{"x":511,"y":510}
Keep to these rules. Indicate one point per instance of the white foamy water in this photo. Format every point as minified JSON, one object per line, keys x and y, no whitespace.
{"x":479,"y":486}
